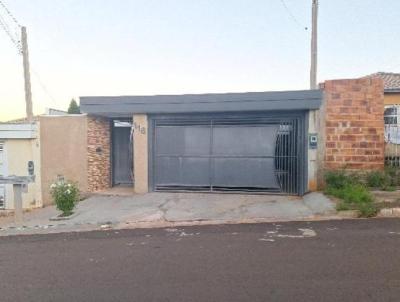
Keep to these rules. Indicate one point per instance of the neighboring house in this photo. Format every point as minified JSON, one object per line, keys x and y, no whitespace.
{"x":52,"y":111}
{"x":48,"y":111}
{"x":19,"y":144}
{"x":391,"y":83}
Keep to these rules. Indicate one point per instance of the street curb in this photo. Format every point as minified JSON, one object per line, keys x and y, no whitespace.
{"x":389,"y":212}
{"x":348,"y":214}
{"x":60,"y":218}
{"x":129,"y":225}
{"x":166,"y":224}
{"x":157,"y":224}
{"x":385,"y":212}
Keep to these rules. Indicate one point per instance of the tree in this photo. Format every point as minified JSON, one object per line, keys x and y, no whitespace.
{"x":73,"y":107}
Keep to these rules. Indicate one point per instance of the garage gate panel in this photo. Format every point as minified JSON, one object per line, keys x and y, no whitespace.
{"x":259,"y":154}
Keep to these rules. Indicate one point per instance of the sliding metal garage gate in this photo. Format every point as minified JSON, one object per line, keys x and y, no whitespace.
{"x":228,"y":153}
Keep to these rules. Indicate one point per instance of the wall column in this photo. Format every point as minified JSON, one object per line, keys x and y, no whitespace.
{"x":312,"y":154}
{"x":354,"y":124}
{"x":98,"y":153}
{"x":140,"y":153}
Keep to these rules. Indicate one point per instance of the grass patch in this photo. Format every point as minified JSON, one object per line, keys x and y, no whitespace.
{"x":354,"y":195}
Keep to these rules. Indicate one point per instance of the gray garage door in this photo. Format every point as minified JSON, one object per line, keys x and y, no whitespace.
{"x":231,"y":154}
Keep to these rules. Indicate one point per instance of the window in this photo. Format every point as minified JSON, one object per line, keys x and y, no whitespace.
{"x":391,"y":115}
{"x":392,"y":124}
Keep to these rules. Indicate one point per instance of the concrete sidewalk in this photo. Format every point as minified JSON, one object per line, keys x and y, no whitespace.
{"x":172,"y":209}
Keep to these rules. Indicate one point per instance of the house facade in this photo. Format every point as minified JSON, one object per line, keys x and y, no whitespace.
{"x":252,"y":142}
{"x":263,"y":142}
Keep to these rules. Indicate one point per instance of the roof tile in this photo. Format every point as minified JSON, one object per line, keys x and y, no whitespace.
{"x":391,"y":80}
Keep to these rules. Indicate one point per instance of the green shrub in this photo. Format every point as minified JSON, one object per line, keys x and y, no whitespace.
{"x":65,"y":195}
{"x":357,"y":178}
{"x":367,"y":210}
{"x":336,"y":179}
{"x":342,"y":206}
{"x":393,"y":173}
{"x":378,"y":179}
{"x":386,"y":180}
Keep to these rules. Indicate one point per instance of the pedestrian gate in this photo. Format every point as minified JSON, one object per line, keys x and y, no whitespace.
{"x":252,"y":154}
{"x":122,"y":164}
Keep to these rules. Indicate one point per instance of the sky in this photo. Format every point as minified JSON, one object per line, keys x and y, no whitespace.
{"x":144,"y":47}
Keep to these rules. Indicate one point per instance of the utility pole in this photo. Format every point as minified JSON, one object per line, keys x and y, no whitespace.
{"x":27,"y":76}
{"x":314,"y":45}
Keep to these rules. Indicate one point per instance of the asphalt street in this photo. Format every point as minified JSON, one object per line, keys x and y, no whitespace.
{"x":349,"y":260}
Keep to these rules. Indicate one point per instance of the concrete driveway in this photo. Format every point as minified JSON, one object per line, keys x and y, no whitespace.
{"x":173,"y":209}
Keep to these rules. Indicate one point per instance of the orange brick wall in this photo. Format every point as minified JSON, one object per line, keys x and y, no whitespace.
{"x":354,"y":125}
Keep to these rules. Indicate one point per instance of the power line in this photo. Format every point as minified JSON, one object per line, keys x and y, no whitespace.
{"x":10,"y":14}
{"x":12,"y":17}
{"x":14,"y":39}
{"x":292,"y":16}
{"x":43,"y":86}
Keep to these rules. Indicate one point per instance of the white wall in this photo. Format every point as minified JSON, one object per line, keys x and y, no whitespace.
{"x":17,"y":153}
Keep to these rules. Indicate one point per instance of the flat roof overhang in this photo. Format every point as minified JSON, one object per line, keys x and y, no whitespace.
{"x":126,"y":106}
{"x":18,"y":131}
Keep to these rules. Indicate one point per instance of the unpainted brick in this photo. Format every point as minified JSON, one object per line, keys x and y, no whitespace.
{"x":354,"y":124}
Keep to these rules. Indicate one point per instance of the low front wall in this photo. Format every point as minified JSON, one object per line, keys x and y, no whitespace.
{"x":354,"y":124}
{"x":63,"y":151}
{"x":77,"y":148}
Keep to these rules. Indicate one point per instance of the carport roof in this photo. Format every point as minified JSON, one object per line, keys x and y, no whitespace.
{"x":126,"y":106}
